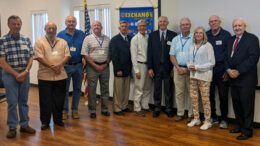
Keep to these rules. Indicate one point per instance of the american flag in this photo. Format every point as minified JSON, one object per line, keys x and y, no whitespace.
{"x":87,"y":32}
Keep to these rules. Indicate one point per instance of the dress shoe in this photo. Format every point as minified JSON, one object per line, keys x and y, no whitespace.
{"x":27,"y":129}
{"x":105,"y":113}
{"x":60,"y":123}
{"x":147,"y":110}
{"x":44,"y":126}
{"x":127,"y":110}
{"x":140,"y":113}
{"x":178,"y":118}
{"x":236,"y":130}
{"x":156,"y":114}
{"x":244,"y":136}
{"x":170,"y":115}
{"x":120,"y":113}
{"x":11,"y":133}
{"x":93,"y":115}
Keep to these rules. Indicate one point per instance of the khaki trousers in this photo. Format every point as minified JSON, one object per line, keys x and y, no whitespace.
{"x":182,"y":85}
{"x":121,"y":93}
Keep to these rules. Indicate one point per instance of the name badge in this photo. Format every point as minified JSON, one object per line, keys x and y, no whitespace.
{"x":101,"y":52}
{"x":181,"y":54}
{"x":169,"y":43}
{"x":219,"y":42}
{"x":73,"y":49}
{"x":55,"y":53}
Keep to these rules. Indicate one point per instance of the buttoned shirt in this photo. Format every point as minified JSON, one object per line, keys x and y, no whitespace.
{"x":17,"y":51}
{"x":75,"y":44}
{"x":180,"y":48}
{"x":203,"y":59}
{"x":54,"y":55}
{"x":164,"y":34}
{"x":138,"y":50}
{"x":97,"y":48}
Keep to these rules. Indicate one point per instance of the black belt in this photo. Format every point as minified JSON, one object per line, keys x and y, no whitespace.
{"x":184,"y":66}
{"x":141,"y":62}
{"x":73,"y":63}
{"x":100,"y":63}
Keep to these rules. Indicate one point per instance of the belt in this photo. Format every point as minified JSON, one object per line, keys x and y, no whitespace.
{"x":141,"y":62}
{"x":19,"y":68}
{"x":73,"y":63}
{"x":100,"y":63}
{"x":184,"y":66}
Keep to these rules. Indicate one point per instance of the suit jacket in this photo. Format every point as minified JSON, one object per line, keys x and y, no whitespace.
{"x":119,"y":51}
{"x":244,"y":59}
{"x":155,"y":50}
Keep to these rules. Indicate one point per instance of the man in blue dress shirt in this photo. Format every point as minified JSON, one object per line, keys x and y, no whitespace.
{"x":74,"y":67}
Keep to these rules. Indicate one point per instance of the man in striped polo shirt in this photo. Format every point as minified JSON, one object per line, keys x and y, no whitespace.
{"x":95,"y":51}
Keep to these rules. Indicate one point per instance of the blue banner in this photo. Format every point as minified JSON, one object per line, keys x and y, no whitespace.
{"x":132,"y":15}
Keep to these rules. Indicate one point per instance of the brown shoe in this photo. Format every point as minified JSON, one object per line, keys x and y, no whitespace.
{"x":75,"y":115}
{"x":189,"y":119}
{"x":27,"y":129}
{"x":140,"y":113}
{"x":65,"y":116}
{"x":11,"y":133}
{"x":178,"y":118}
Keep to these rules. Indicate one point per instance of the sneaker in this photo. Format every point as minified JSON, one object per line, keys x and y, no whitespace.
{"x":11,"y":133}
{"x":194,"y":122}
{"x":75,"y":115}
{"x":27,"y":129}
{"x":206,"y":126}
{"x":214,"y":121}
{"x":140,"y":113}
{"x":223,"y":125}
{"x":64,"y":116}
{"x":189,"y":119}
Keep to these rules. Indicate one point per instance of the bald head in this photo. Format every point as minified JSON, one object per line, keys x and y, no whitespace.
{"x":163,"y":22}
{"x":239,"y":26}
{"x":71,"y":22}
{"x":51,"y":30}
{"x":185,"y":26}
{"x":214,"y":23}
{"x":97,"y":28}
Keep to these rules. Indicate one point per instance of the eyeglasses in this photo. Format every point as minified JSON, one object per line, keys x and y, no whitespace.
{"x":197,"y":33}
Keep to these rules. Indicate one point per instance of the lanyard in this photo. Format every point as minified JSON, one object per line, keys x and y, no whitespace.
{"x":100,"y":43}
{"x":195,"y":53}
{"x":50,"y":43}
{"x":183,"y":44}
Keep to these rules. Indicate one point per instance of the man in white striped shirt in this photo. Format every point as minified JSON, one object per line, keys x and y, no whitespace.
{"x":95,"y":52}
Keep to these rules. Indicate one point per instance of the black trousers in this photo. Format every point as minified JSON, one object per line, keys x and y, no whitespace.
{"x":163,"y":75}
{"x":223,"y":96}
{"x":244,"y":104}
{"x":52,"y":96}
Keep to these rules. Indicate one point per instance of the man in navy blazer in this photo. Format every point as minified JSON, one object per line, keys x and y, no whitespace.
{"x":241,"y":66}
{"x":160,"y":66}
{"x":119,"y":48}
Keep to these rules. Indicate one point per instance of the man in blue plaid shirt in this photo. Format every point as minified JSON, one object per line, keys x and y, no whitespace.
{"x":16,"y":55}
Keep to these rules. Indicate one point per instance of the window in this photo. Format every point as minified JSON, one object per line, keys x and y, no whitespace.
{"x":100,"y":14}
{"x":39,"y":19}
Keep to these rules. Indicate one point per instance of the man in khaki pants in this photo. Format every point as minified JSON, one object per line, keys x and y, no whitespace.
{"x":119,"y":50}
{"x":178,"y":55}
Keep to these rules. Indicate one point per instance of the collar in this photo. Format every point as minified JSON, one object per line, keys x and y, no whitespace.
{"x":11,"y":36}
{"x":123,"y":35}
{"x":141,"y":35}
{"x":165,"y":31}
{"x":189,"y":36}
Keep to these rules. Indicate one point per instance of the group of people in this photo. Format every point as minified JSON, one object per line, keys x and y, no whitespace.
{"x":193,"y":63}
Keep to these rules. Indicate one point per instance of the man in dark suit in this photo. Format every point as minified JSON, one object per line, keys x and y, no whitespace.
{"x":160,"y":66}
{"x":241,"y":66}
{"x":119,"y":48}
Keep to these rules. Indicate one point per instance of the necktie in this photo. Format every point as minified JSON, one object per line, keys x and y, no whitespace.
{"x":162,"y":52}
{"x":235,"y":45}
{"x":126,"y":39}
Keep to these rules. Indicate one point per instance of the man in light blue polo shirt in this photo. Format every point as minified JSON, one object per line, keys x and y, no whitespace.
{"x":178,"y":55}
{"x":74,"y":67}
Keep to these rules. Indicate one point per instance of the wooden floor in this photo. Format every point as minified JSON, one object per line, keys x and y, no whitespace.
{"x":116,"y":130}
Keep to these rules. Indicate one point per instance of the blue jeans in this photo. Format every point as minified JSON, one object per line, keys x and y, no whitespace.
{"x":76,"y":73}
{"x":16,"y":93}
